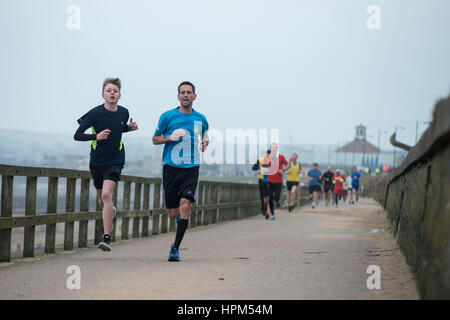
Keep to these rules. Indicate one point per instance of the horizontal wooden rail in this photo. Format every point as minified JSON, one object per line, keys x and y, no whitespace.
{"x":28,"y":221}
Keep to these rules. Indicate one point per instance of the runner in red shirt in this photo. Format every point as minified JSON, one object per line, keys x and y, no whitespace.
{"x":275,"y":176}
{"x":338,"y":181}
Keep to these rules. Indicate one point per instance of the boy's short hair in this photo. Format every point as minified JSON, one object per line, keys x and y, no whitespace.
{"x":114,"y":81}
{"x":186,"y":83}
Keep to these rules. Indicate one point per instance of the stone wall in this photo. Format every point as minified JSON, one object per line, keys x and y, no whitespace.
{"x":418,"y":205}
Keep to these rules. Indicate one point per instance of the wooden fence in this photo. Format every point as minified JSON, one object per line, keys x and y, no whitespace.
{"x":217,"y":201}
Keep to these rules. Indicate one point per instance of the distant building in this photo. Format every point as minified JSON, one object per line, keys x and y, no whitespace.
{"x":360,"y":144}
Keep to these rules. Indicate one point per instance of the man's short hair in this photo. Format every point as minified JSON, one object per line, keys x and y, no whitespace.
{"x":315,"y":164}
{"x":184,"y":83}
{"x":114,"y":81}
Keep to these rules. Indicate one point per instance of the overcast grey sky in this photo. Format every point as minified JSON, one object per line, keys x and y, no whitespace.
{"x":310,"y":68}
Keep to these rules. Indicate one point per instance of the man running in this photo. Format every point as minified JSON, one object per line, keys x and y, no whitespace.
{"x":327,"y":179}
{"x":355,"y":184}
{"x":179,"y":130}
{"x":275,"y":162}
{"x":107,"y":156}
{"x":314,"y":176}
{"x":293,"y":180}
{"x":338,"y":181}
{"x":262,"y":184}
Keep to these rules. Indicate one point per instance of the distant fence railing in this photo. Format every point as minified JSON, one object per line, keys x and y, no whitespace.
{"x":216,"y":201}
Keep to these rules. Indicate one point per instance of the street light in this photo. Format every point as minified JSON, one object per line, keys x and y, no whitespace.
{"x":378,"y":152}
{"x":364,"y":150}
{"x":395,"y":131}
{"x":417,"y":126}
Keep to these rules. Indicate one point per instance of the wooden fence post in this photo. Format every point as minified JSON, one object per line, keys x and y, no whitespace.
{"x":126,"y":207}
{"x":84,"y":207}
{"x":30,"y":210}
{"x":222,"y":198}
{"x":52,"y":201}
{"x":137,"y":206}
{"x":70,"y":207}
{"x":146,"y":206}
{"x":206,"y":213}
{"x":156,"y":200}
{"x":200,"y":201}
{"x":5,"y":234}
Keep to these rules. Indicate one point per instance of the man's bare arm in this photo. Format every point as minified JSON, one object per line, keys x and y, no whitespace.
{"x":159,"y":139}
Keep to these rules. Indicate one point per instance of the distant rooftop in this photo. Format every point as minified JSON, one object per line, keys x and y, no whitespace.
{"x":360,"y":144}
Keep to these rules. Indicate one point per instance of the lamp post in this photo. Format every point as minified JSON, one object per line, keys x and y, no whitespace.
{"x":345,"y":154}
{"x":378,"y":152}
{"x":395,"y":131}
{"x":417,"y":127}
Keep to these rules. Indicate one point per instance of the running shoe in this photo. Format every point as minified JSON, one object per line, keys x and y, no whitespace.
{"x":267,"y":215}
{"x":313,"y":205}
{"x":336,"y":206}
{"x":272,"y":217}
{"x":105,"y":244}
{"x":289,"y":208}
{"x":112,"y":224}
{"x":174,"y":255}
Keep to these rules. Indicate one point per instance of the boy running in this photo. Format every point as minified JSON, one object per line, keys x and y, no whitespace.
{"x":107,"y":156}
{"x":178,"y":129}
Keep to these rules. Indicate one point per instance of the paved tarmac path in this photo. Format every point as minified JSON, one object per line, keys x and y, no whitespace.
{"x":306,"y":254}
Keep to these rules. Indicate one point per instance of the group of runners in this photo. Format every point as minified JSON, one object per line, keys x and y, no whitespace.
{"x":270,"y":169}
{"x":335,"y":186}
{"x":182,"y":130}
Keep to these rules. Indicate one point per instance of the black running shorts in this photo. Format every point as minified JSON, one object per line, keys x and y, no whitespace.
{"x":180,"y":183}
{"x":356,"y":188}
{"x":314,"y":188}
{"x":102,"y":173}
{"x":263,"y":188}
{"x":328,"y":187}
{"x":290,"y":184}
